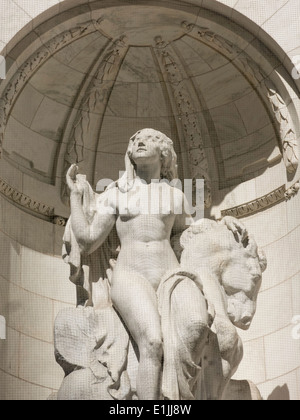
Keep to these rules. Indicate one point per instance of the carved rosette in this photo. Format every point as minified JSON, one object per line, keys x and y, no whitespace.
{"x":265,"y":88}
{"x":60,"y":221}
{"x":187,"y":111}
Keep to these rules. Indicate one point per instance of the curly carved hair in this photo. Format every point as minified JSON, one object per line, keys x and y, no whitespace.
{"x":169,"y":157}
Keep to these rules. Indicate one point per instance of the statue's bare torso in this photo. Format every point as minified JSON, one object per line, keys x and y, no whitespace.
{"x":145,"y":238}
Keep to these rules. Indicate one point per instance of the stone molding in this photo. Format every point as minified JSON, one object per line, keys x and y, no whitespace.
{"x":263,"y":203}
{"x":30,"y":205}
{"x":24,"y":201}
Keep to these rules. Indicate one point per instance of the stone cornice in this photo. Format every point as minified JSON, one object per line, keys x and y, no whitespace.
{"x":29,"y":204}
{"x":263,"y":203}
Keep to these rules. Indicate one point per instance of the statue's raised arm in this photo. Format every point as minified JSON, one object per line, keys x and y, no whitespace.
{"x":91,"y":219}
{"x":90,"y":240}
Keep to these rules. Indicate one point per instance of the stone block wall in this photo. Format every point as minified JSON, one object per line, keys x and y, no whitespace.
{"x":34,"y":287}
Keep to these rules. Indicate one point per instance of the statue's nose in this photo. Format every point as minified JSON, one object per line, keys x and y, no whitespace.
{"x":141,"y":144}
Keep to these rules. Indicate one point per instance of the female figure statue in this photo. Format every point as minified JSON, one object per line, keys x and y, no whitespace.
{"x":146,"y":254}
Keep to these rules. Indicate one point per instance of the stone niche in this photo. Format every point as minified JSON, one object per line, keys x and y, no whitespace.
{"x":82,"y":78}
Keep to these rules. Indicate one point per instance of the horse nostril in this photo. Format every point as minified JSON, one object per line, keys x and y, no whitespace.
{"x":246,"y":320}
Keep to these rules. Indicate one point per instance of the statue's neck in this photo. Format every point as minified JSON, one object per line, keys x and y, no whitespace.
{"x":148,"y":172}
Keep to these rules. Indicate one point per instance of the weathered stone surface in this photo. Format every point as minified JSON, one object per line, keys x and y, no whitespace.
{"x":91,"y":347}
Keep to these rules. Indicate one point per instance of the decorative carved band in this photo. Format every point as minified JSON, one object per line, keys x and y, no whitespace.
{"x":59,"y":220}
{"x":39,"y":209}
{"x":263,"y":203}
{"x":292,"y":191}
{"x":24,"y":201}
{"x":261,"y":83}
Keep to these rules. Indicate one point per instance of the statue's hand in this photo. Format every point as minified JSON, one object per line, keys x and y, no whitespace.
{"x":73,"y":180}
{"x":236,"y":227}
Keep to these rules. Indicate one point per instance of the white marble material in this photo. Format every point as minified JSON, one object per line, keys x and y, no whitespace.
{"x":281,"y":282}
{"x":203,"y":248}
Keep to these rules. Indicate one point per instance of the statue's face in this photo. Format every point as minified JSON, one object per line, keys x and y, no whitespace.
{"x":145,"y":147}
{"x":242,"y":280}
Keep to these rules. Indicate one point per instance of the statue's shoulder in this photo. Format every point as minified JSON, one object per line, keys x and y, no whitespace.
{"x":108,"y":198}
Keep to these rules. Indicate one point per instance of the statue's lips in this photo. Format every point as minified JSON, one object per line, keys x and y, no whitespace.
{"x":142,"y":149}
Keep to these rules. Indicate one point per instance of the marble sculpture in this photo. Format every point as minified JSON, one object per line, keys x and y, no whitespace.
{"x":159,"y":296}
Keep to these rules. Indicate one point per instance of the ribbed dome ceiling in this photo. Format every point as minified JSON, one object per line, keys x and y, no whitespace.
{"x":144,"y":67}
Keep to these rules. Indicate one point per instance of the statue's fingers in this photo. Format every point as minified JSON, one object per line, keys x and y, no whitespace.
{"x":71,"y":176}
{"x":72,"y":172}
{"x":245,"y":234}
{"x":233,"y":227}
{"x":241,"y":229}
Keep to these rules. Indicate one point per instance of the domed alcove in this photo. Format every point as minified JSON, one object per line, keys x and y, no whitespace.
{"x":81,"y":80}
